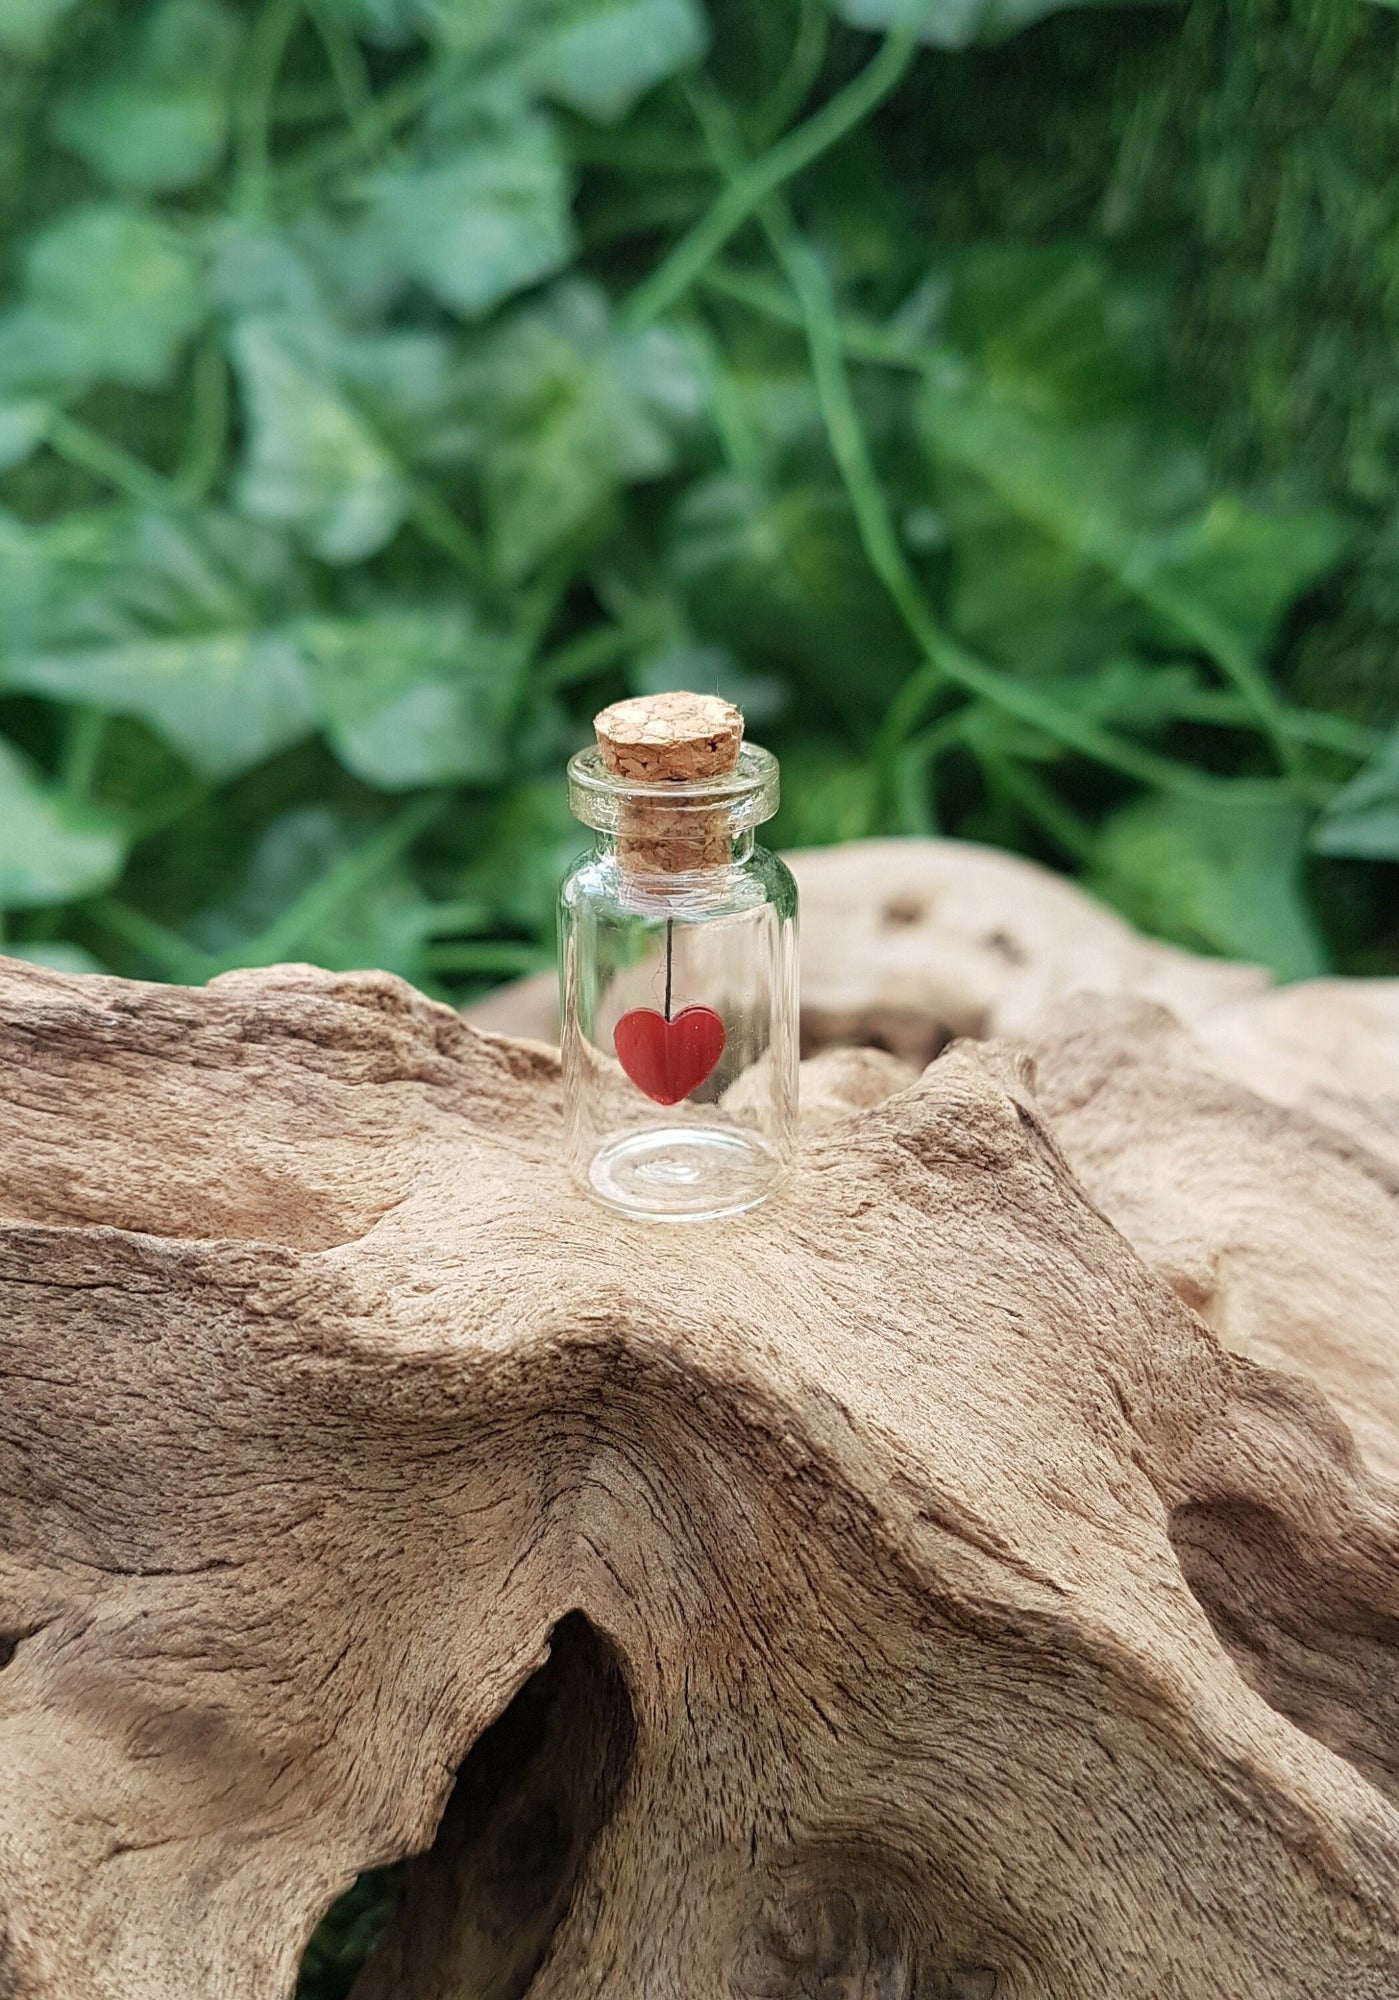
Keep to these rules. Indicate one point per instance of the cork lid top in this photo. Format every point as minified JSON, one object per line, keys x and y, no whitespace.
{"x":670,"y":738}
{"x":671,"y":776}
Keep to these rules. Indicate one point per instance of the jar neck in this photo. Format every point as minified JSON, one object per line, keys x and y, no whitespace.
{"x":606,"y":846}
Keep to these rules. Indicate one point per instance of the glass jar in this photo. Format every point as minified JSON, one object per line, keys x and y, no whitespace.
{"x":678,"y":953}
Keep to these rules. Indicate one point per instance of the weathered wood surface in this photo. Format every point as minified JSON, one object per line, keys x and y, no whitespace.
{"x":960,"y":1578}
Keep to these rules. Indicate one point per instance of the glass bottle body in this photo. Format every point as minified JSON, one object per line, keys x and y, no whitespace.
{"x":679,"y":1030}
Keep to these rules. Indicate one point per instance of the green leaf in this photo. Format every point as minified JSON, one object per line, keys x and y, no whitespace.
{"x":184,"y":624}
{"x":827,"y":796}
{"x":415,"y":697}
{"x":521,"y":846}
{"x":572,"y":409}
{"x":777,"y":573}
{"x":600,"y":56}
{"x":157,"y":117}
{"x":46,"y":570}
{"x":333,"y":423}
{"x":26,"y":25}
{"x":1245,"y":567}
{"x":1220,"y":874}
{"x":225,"y":701}
{"x":687,"y":664}
{"x":199,"y":629}
{"x":109,"y":293}
{"x":52,"y":850}
{"x":22,"y":426}
{"x":1103,"y":528}
{"x":482,"y":224}
{"x":956,"y":24}
{"x":59,"y":956}
{"x":1363,"y":818}
{"x":377,"y":922}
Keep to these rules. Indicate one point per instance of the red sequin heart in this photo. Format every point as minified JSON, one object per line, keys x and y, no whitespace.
{"x":669,"y":1059}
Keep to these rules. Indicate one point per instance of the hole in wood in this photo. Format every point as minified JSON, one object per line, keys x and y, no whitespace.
{"x":1006,"y":947}
{"x":475,"y":1913}
{"x":10,"y":1643}
{"x":905,"y":1032}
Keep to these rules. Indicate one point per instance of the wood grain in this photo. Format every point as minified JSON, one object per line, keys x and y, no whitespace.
{"x":964,"y":1586}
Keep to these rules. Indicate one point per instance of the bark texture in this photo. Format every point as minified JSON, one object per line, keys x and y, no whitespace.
{"x":974,"y":1574}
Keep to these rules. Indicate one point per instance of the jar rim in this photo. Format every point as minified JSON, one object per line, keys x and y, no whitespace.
{"x":745,"y":796}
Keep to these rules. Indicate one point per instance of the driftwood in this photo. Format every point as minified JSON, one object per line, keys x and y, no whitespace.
{"x":954,"y":1579}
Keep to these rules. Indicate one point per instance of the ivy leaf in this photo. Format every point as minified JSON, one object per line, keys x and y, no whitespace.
{"x":333,"y":421}
{"x":1219,"y":873}
{"x":1104,"y":528}
{"x":46,"y":569}
{"x":157,"y":118}
{"x":110,"y":294}
{"x":224,"y":700}
{"x":778,"y":573}
{"x":685,"y":663}
{"x":381,"y":922}
{"x":184,"y":625}
{"x":199,"y":629}
{"x":22,"y":426}
{"x":26,"y":25}
{"x":956,"y":24}
{"x":479,"y":225}
{"x":1245,"y":567}
{"x":522,"y":843}
{"x":415,"y":696}
{"x":58,"y":955}
{"x":828,"y":795}
{"x":600,"y":56}
{"x":572,"y":409}
{"x":1362,"y":820}
{"x":51,"y":849}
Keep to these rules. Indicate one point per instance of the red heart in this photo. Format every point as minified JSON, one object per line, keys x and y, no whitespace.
{"x":669,"y":1059}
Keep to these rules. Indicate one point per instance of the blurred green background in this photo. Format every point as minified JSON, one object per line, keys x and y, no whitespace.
{"x":999,"y":401}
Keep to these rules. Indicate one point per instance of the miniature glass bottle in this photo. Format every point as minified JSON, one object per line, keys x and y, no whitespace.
{"x":678,"y":942}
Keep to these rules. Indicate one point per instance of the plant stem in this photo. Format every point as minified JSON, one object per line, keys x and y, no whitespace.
{"x":756,"y":181}
{"x":1253,"y":704}
{"x":111,"y":463}
{"x":176,"y":958}
{"x":82,"y":746}
{"x":860,"y":340}
{"x":379,"y":121}
{"x":347,"y":66}
{"x":946,"y":659}
{"x":503,"y":956}
{"x":1040,"y":803}
{"x":350,"y":877}
{"x":580,"y":659}
{"x":436,"y":522}
{"x":208,"y":424}
{"x":266,"y":48}
{"x":793,"y":87}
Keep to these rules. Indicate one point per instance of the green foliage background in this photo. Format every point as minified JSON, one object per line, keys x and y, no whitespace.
{"x":997,"y":400}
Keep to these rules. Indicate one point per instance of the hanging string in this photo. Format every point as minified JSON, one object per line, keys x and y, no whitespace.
{"x":669,"y":961}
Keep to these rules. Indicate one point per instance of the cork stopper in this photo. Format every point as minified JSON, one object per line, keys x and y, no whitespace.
{"x":680,"y":739}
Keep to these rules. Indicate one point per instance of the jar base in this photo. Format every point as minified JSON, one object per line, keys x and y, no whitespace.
{"x":685,"y":1173}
